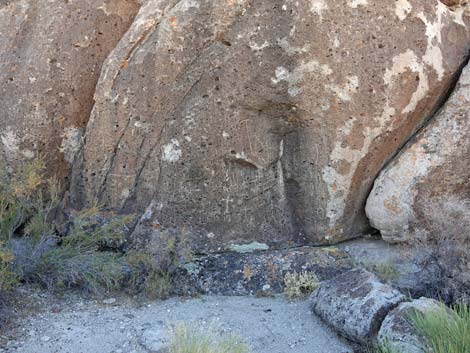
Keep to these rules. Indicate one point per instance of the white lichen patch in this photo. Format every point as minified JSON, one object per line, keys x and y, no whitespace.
{"x":172,"y":151}
{"x":336,"y":42}
{"x":408,"y":61}
{"x":339,"y":182}
{"x":346,"y":91}
{"x":247,"y":248}
{"x":433,"y":56}
{"x":258,"y":47}
{"x":11,"y":142}
{"x":318,"y":7}
{"x":125,"y":193}
{"x":72,"y":139}
{"x":28,"y":154}
{"x":299,"y":74}
{"x":355,"y":3}
{"x":290,"y":49}
{"x":187,"y":5}
{"x":402,"y":9}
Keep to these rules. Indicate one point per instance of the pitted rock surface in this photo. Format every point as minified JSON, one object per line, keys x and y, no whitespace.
{"x":51,"y":52}
{"x":264,"y":121}
{"x":355,"y":303}
{"x":430,"y":180}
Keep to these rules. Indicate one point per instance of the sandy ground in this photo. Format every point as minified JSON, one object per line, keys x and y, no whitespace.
{"x":120,"y":325}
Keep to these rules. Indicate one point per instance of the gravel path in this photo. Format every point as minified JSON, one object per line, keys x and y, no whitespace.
{"x":269,"y":325}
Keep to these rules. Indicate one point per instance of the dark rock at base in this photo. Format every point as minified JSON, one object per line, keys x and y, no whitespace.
{"x":355,"y":303}
{"x":257,"y":273}
{"x":415,"y":272}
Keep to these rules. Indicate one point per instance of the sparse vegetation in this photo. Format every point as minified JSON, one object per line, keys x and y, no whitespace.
{"x":89,"y":255}
{"x":445,"y":241}
{"x":383,"y":348}
{"x":301,"y":284}
{"x":386,"y":271}
{"x":188,"y":339}
{"x":444,"y":330}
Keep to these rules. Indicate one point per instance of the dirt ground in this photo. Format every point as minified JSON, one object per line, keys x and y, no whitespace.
{"x":75,"y":324}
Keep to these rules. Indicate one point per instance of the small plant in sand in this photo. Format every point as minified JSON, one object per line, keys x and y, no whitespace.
{"x":298,"y":285}
{"x":189,"y":339}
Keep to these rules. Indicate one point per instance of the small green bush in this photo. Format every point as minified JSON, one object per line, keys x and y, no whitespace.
{"x":297,"y":285}
{"x":146,"y":276}
{"x":89,"y":256}
{"x":387,"y":271}
{"x":8,"y":277}
{"x":191,"y":340}
{"x":444,"y":330}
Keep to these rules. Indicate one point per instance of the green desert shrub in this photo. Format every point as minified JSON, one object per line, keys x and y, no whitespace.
{"x":297,"y":285}
{"x":386,"y":271}
{"x":88,"y":256}
{"x":444,"y":330}
{"x":146,"y":276}
{"x":383,"y":348}
{"x":188,"y":339}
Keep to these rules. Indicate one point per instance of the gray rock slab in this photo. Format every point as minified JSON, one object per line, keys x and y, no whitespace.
{"x":397,"y":330}
{"x":355,"y":303}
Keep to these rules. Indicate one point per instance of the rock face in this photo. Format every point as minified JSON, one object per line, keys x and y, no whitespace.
{"x":397,"y":330}
{"x":264,"y":121}
{"x":51,"y":52}
{"x":355,"y":303}
{"x":430,"y":179}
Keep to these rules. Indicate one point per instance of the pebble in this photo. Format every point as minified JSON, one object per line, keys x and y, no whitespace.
{"x":109,"y":301}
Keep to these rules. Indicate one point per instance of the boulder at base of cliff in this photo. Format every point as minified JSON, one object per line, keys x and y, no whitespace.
{"x":397,"y":331}
{"x":355,"y":304}
{"x":426,"y":189}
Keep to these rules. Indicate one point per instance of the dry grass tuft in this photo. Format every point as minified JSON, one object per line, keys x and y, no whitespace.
{"x":298,"y":285}
{"x":446,"y":241}
{"x":188,"y":339}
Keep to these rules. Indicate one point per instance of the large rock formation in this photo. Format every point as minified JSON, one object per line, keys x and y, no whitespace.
{"x":426,"y":189}
{"x":264,"y":121}
{"x":240,"y":120}
{"x":51,"y":52}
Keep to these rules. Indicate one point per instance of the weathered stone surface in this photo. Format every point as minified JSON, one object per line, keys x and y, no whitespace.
{"x":259,"y":273}
{"x":397,"y":330}
{"x":430,"y":180}
{"x":264,"y":121}
{"x":415,"y":273}
{"x":51,"y":52}
{"x":355,"y":303}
